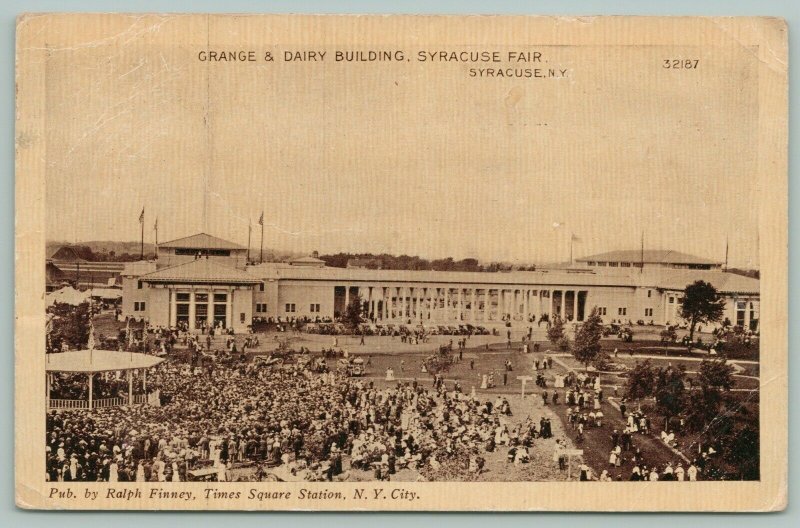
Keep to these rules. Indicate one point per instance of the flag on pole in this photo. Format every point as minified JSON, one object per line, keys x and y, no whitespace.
{"x":155,"y":225}
{"x":261,"y":219}
{"x":141,"y":217}
{"x":575,"y":238}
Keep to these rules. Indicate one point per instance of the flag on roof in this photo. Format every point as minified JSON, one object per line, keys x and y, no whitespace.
{"x":141,"y":216}
{"x":261,"y":219}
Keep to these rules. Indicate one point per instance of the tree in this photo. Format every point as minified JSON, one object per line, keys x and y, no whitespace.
{"x":70,"y":326}
{"x":716,"y":374}
{"x":706,"y":404}
{"x":641,"y":381}
{"x":701,"y":304}
{"x":586,"y":346}
{"x":670,"y":392}
{"x":556,"y":333}
{"x":353,"y":314}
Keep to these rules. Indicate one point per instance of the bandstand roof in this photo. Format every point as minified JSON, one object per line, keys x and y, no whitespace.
{"x":99,"y":361}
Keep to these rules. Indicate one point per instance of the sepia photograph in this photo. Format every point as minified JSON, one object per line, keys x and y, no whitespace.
{"x":332,"y":262}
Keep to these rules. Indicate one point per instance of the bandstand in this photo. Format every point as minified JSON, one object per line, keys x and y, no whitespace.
{"x":91,"y":362}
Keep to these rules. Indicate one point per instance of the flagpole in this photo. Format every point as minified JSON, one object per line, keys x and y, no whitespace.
{"x":156,"y":229}
{"x":726,"y":253}
{"x":262,"y":238}
{"x":571,"y":240}
{"x":249,"y":232}
{"x":641,"y":267}
{"x":141,"y":221}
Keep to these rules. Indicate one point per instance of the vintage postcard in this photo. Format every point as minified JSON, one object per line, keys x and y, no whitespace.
{"x":401,"y":263}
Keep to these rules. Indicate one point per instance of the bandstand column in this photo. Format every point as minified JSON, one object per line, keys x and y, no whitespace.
{"x":130,"y":386}
{"x":144,"y":380}
{"x":91,"y":389}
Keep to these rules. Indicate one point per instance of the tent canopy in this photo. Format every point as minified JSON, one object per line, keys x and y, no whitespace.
{"x":99,"y":361}
{"x":68,"y":295}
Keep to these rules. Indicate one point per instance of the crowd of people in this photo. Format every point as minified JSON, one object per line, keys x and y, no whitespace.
{"x":316,"y":427}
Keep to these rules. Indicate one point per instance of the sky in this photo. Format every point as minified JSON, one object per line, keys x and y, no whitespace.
{"x":404,"y":158}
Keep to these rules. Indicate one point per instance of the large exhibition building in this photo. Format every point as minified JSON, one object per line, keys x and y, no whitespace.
{"x":203,"y":280}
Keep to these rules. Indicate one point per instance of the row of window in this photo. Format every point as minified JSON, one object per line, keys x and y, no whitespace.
{"x":292,"y":308}
{"x":623,"y":310}
{"x":613,"y":264}
{"x":201,"y":298}
{"x":139,"y":306}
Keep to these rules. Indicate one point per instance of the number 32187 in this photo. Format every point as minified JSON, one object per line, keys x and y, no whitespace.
{"x":680,"y":64}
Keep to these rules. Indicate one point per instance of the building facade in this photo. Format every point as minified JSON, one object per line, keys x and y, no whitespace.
{"x":202,"y":280}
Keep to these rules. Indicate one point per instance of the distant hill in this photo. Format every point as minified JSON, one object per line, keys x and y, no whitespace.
{"x":753,"y":274}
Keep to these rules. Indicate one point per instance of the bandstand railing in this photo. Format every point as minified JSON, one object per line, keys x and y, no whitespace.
{"x":68,"y":404}
{"x":102,"y":403}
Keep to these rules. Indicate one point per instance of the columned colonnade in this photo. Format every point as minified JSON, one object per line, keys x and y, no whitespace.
{"x":447,"y":303}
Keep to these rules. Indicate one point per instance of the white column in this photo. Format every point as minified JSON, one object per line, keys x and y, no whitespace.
{"x":229,"y":309}
{"x":552,"y":303}
{"x":527,"y":301}
{"x":91,"y":389}
{"x":460,"y":311}
{"x":448,"y":314}
{"x":575,"y":305}
{"x":487,"y":295}
{"x":173,"y":307}
{"x":192,"y":311}
{"x":210,"y":308}
{"x":747,"y":314}
{"x":346,"y":297}
{"x":472,"y":304}
{"x":563,"y":306}
{"x":130,"y":386}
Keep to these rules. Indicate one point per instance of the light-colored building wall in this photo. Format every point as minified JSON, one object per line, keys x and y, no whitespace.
{"x":303,"y":296}
{"x":242,"y":314}
{"x":167,"y":258}
{"x":132,"y":294}
{"x":158,"y":306}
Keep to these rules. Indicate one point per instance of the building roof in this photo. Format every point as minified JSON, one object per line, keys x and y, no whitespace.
{"x":678,"y":279}
{"x":651,"y":256}
{"x":202,"y":270}
{"x":141,"y":267}
{"x":73,"y":254}
{"x":200,"y":241}
{"x":371,"y":263}
{"x":656,"y":278}
{"x":307,"y":261}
